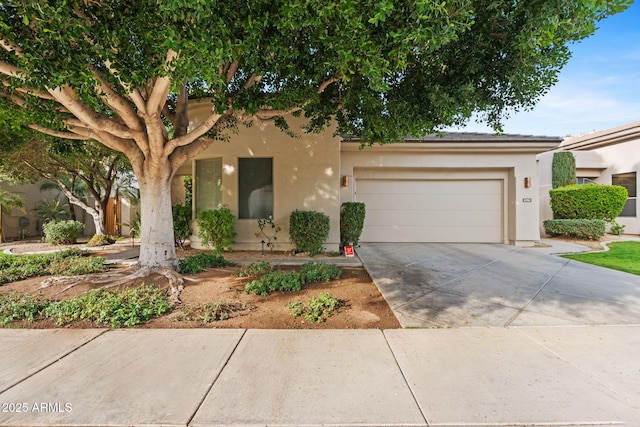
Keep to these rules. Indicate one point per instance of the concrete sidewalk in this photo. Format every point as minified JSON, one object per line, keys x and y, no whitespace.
{"x":537,"y":376}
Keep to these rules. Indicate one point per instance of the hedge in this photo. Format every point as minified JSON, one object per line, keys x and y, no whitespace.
{"x":308,"y":230}
{"x":590,"y":201}
{"x":351,"y":222}
{"x":590,"y":229}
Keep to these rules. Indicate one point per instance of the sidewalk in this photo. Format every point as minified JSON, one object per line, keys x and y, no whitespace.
{"x":535,"y":376}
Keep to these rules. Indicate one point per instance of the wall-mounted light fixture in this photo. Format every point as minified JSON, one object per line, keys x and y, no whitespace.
{"x":527,"y":182}
{"x":345,"y":180}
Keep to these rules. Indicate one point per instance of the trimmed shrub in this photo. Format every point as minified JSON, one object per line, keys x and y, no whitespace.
{"x":308,"y":231}
{"x":351,"y":222}
{"x":181,"y":218}
{"x":563,"y":169}
{"x":590,"y":201}
{"x":589,"y":229}
{"x":216,"y":228}
{"x":62,"y":232}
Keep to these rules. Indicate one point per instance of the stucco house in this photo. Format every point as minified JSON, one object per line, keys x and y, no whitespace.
{"x":610,"y":156}
{"x":458,"y":187}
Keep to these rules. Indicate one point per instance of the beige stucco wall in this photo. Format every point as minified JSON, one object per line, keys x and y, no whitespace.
{"x":306,"y":174}
{"x":599,"y":163}
{"x":510,"y":163}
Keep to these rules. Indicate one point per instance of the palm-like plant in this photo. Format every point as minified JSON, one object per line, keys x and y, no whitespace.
{"x":51,"y":210}
{"x":8,"y":201}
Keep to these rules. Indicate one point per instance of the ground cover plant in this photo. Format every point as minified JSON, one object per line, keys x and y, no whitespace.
{"x":103,"y":307}
{"x":69,"y":262}
{"x":318,"y":309}
{"x":274,"y":279}
{"x":621,"y":256}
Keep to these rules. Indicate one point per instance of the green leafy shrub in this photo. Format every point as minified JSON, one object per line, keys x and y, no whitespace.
{"x":308,"y":231}
{"x":216,"y":228}
{"x":70,"y":261}
{"x":563,"y":169}
{"x":101,"y":240}
{"x":62,"y":232}
{"x":254,"y":269}
{"x":276,"y":280}
{"x":590,"y":229}
{"x":319,"y":272}
{"x":590,"y":201}
{"x":616,"y":228}
{"x":352,"y":216}
{"x":181,"y":219}
{"x":195,"y":264}
{"x":15,"y":307}
{"x":318,"y":309}
{"x":116,"y":308}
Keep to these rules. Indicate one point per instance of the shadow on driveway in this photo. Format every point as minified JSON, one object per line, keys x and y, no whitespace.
{"x":453,"y":285}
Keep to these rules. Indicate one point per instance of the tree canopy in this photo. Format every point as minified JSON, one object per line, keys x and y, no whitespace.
{"x":122,"y":72}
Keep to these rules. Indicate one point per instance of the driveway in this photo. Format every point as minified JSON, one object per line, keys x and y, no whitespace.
{"x":456,"y":285}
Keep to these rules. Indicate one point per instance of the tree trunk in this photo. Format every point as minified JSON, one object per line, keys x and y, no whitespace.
{"x":157,"y":245}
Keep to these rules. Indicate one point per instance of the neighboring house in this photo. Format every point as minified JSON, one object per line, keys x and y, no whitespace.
{"x":610,"y":156}
{"x":21,"y":225}
{"x":455,"y":188}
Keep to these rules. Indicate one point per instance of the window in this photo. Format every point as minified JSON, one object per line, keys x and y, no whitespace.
{"x":255,"y":188}
{"x":628,"y":181}
{"x":208,"y":191}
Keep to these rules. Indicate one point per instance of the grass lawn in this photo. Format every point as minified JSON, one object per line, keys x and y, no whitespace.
{"x":623,"y":256}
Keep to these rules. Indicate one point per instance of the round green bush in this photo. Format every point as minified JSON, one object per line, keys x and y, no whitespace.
{"x":216,"y":228}
{"x":62,"y":232}
{"x":308,"y":230}
{"x":351,"y":222}
{"x":590,"y":201}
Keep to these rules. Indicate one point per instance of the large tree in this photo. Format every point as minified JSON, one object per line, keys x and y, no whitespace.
{"x":82,"y":170}
{"x":123,"y":72}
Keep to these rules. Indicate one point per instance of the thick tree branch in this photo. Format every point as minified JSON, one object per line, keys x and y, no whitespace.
{"x":231,"y":71}
{"x":193,"y":135}
{"x":10,"y":70}
{"x":161,"y":86}
{"x":12,"y":47}
{"x":57,"y":133}
{"x":67,"y":97}
{"x":121,"y":107}
{"x":181,"y":116}
{"x":251,"y":81}
{"x":133,"y":94}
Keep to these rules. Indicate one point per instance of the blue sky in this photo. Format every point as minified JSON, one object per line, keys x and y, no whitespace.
{"x":599,"y":88}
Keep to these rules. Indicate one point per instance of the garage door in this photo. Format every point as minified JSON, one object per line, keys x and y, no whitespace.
{"x":400,"y":210}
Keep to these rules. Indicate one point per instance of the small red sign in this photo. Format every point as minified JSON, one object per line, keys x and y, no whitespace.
{"x":348,"y":251}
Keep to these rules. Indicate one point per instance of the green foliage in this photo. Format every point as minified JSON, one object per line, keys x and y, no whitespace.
{"x":115,"y":308}
{"x":181,"y":219}
{"x":563,"y":169}
{"x":319,"y":272}
{"x":351,"y":222}
{"x":188,"y":191}
{"x":254,"y":269}
{"x":589,"y":229}
{"x":276,"y":280}
{"x":308,"y":231}
{"x":211,"y":312}
{"x":268,"y":230}
{"x":67,"y":262}
{"x":318,"y":309}
{"x":101,"y":240}
{"x":134,"y":226}
{"x":621,"y":256}
{"x":51,"y":211}
{"x":14,"y":307}
{"x":216,"y":228}
{"x":616,"y":228}
{"x":62,"y":232}
{"x":9,"y":201}
{"x":590,"y":201}
{"x":195,"y":264}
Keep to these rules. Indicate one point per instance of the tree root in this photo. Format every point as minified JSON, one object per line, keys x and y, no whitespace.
{"x":113,"y":280}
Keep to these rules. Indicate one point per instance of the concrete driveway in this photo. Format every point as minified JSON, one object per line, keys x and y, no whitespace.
{"x":455,"y":285}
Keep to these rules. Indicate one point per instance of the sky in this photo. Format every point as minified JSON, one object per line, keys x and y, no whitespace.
{"x":599,"y":88}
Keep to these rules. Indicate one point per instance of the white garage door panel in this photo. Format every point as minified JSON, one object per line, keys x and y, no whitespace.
{"x":434,"y":202}
{"x":434,"y":218}
{"x":431,"y":210}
